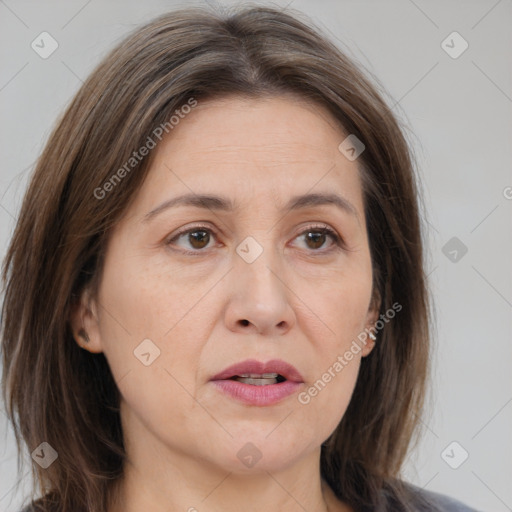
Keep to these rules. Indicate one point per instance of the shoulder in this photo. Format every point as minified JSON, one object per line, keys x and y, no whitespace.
{"x":442,"y":502}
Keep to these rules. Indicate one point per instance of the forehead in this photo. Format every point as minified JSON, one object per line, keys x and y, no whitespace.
{"x":271,"y":129}
{"x":270,"y":148}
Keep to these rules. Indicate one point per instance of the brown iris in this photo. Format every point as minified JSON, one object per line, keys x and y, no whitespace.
{"x":317,"y":237}
{"x":199,"y":237}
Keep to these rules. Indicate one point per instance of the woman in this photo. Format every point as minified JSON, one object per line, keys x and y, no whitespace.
{"x":216,"y":281}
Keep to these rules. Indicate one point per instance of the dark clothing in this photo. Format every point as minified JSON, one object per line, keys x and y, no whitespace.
{"x":440,"y":502}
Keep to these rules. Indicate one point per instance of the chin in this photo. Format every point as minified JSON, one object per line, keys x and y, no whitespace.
{"x":260,"y":453}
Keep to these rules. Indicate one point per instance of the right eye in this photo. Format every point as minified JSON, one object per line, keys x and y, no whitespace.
{"x":196,"y":237}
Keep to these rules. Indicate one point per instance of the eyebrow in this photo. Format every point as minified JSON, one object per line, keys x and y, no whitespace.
{"x":218,"y":203}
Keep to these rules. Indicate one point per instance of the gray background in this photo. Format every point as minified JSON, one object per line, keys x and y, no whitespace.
{"x":458,"y":112}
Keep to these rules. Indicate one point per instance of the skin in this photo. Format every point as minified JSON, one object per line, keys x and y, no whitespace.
{"x":302,"y":302}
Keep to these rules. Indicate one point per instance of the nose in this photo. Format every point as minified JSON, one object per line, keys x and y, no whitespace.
{"x":259,"y":298}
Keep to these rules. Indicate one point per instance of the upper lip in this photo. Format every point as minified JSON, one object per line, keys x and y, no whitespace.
{"x":278,"y":366}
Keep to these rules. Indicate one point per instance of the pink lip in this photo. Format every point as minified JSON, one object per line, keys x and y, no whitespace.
{"x":259,"y":395}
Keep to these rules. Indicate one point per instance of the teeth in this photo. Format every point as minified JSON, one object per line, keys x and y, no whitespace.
{"x":259,"y":376}
{"x":257,"y":381}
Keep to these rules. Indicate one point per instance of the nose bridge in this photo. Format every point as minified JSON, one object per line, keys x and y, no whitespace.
{"x":257,"y":267}
{"x":258,"y":295}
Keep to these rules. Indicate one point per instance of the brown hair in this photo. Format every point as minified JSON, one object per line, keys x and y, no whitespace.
{"x":66,"y":396}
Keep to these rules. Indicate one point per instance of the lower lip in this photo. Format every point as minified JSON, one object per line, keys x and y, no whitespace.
{"x":268,"y":394}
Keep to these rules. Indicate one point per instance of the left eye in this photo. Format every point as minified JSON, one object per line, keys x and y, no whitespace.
{"x":314,"y":236}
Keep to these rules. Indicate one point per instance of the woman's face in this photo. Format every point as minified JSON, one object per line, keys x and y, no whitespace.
{"x":196,"y":287}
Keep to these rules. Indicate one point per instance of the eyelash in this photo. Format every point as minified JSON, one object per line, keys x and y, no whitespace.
{"x":337,"y":240}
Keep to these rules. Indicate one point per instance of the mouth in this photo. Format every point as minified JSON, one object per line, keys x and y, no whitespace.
{"x":255,"y":383}
{"x":257,"y":373}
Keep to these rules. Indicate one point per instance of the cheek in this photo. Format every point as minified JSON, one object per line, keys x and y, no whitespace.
{"x":145,"y":297}
{"x":150,"y":315}
{"x":337,"y":311}
{"x":148,"y":307}
{"x":337,"y":350}
{"x":329,"y":388}
{"x":325,"y":401}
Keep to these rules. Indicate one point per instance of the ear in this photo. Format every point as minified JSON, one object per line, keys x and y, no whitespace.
{"x":371,"y":319}
{"x":84,"y":321}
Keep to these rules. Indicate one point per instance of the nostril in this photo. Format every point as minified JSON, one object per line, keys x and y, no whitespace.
{"x":244,"y":322}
